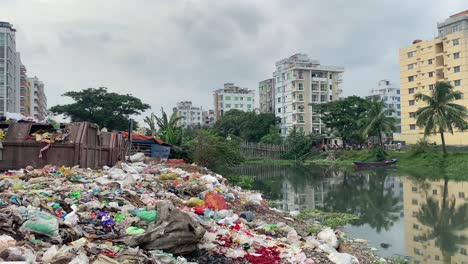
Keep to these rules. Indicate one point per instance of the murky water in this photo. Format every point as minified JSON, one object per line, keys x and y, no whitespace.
{"x":426,"y":220}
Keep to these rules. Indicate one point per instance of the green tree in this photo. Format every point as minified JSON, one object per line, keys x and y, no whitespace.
{"x":377,"y":122}
{"x":273,"y":137}
{"x":441,"y":113}
{"x":215,"y":152}
{"x":300,"y":144}
{"x":98,"y":106}
{"x":445,"y":220}
{"x":342,"y":117}
{"x":247,"y":125}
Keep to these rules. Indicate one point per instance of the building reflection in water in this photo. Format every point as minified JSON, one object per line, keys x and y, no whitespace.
{"x":436,"y":222}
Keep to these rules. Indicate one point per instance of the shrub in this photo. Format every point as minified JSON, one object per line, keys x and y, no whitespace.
{"x":421,"y":147}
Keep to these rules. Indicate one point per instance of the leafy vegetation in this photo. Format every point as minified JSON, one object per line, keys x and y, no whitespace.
{"x":441,"y":114}
{"x":330,"y":219}
{"x":242,"y":181}
{"x":342,"y":117}
{"x":273,"y":137}
{"x":300,"y":144}
{"x":248,"y":126}
{"x":110,"y":110}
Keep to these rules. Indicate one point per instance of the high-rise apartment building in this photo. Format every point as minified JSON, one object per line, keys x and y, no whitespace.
{"x":300,"y":82}
{"x":208,"y":118}
{"x":426,"y":62}
{"x":38,"y":100}
{"x":9,"y":70}
{"x":389,"y":93}
{"x":266,"y":91}
{"x":25,"y":92}
{"x":191,"y":115}
{"x":233,"y":97}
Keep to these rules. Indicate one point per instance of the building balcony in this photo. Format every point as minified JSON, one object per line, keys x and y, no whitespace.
{"x":298,"y":122}
{"x":319,"y":79}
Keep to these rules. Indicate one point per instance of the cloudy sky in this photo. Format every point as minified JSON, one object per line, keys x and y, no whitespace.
{"x":164,"y":51}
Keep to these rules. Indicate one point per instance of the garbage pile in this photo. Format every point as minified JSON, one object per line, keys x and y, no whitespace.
{"x":148,"y":213}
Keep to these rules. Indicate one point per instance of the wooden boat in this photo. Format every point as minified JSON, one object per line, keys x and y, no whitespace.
{"x":386,"y":163}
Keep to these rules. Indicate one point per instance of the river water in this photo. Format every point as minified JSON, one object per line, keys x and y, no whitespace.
{"x":425,"y":220}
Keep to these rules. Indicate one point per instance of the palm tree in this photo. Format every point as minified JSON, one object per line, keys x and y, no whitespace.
{"x":151,"y":122}
{"x":444,"y":221}
{"x":441,"y":113}
{"x":377,"y":122}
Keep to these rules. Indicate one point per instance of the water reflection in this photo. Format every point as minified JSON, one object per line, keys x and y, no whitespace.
{"x":437,"y":223}
{"x":425,"y":220}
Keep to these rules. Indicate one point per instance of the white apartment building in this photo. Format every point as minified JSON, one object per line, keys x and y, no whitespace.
{"x":233,"y":97}
{"x":208,"y":118}
{"x":390,"y":94}
{"x":9,"y":70}
{"x":192,"y":115}
{"x":300,"y":82}
{"x":38,"y":100}
{"x":266,"y":92}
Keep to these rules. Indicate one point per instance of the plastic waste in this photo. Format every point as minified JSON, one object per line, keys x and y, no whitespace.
{"x":328,"y":236}
{"x":292,"y":237}
{"x":214,"y":201}
{"x":49,"y":254}
{"x":342,"y":258}
{"x":133,"y":230}
{"x":71,"y":219}
{"x":147,"y":216}
{"x":168,"y":176}
{"x":129,"y":169}
{"x":192,"y":202}
{"x":80,"y":259}
{"x":137,"y":157}
{"x":255,"y":198}
{"x":249,"y":216}
{"x":42,"y":223}
{"x":6,"y":242}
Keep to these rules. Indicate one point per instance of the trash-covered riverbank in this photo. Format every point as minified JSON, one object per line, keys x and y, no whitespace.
{"x":150,"y":212}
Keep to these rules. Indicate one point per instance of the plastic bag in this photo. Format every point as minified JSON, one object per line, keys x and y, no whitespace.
{"x":328,"y":236}
{"x":255,"y":198}
{"x":215,"y":202}
{"x":49,"y":254}
{"x":137,"y":157}
{"x":129,"y":169}
{"x":192,"y":202}
{"x":72,"y":219}
{"x":147,"y":216}
{"x":6,"y":242}
{"x":116,"y":173}
{"x":168,"y":176}
{"x":80,"y":259}
{"x":42,"y":223}
{"x":133,"y":230}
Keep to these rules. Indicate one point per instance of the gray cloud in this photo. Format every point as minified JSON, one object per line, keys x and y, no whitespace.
{"x":165,"y":51}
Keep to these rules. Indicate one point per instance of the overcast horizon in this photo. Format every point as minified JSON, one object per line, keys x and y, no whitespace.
{"x":168,"y":51}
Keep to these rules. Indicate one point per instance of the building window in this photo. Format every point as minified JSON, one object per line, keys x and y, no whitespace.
{"x":412,"y":127}
{"x":236,"y":106}
{"x":456,"y":69}
{"x":411,"y":102}
{"x":414,"y":202}
{"x":415,"y":226}
{"x":323,"y":98}
{"x":278,"y":79}
{"x":431,"y":74}
{"x":279,"y":99}
{"x":249,"y":106}
{"x":416,"y":251}
{"x":431,"y":86}
{"x":414,"y":189}
{"x":300,"y":86}
{"x":331,"y":87}
{"x":398,"y":91}
{"x":330,"y":76}
{"x":456,"y":42}
{"x":457,"y":82}
{"x":410,"y":66}
{"x":241,"y":98}
{"x":463,"y":251}
{"x":412,"y":114}
{"x":429,"y":61}
{"x":331,"y":98}
{"x":228,"y":98}
{"x":410,"y":54}
{"x":415,"y":239}
{"x":456,"y":55}
{"x":461,"y":195}
{"x":436,"y":257}
{"x":411,"y":90}
{"x":249,"y":98}
{"x":398,"y":113}
{"x":279,"y":110}
{"x":411,"y":79}
{"x":228,"y":105}
{"x":288,"y":76}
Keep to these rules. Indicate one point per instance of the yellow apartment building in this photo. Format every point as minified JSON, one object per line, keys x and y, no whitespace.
{"x":415,"y":196}
{"x":426,"y":62}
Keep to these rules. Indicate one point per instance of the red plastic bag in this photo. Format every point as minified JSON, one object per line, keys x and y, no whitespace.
{"x":215,"y":202}
{"x":199,"y":210}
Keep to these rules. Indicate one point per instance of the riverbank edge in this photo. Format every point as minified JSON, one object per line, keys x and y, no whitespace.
{"x":431,"y":164}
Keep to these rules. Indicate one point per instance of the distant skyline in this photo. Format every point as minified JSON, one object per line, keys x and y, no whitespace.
{"x":176,"y":50}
